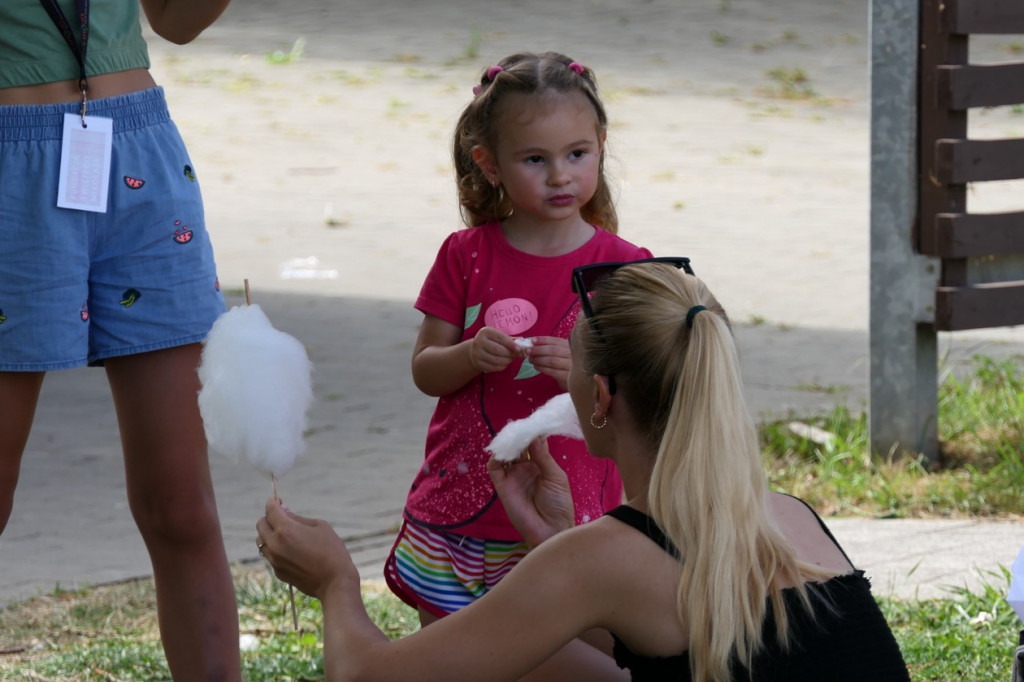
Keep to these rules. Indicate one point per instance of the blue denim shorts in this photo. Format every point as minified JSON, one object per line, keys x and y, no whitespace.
{"x":77,"y":287}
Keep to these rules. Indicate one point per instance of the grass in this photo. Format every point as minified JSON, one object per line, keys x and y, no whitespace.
{"x":109,"y":632}
{"x":471,"y":50}
{"x":789,"y":83}
{"x":980,"y":472}
{"x":719,"y":38}
{"x":969,"y":636}
{"x":279,"y":57}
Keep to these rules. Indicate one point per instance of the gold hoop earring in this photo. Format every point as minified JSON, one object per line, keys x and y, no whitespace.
{"x":604,"y":421}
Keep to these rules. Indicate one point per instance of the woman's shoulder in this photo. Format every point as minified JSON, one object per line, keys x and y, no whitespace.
{"x":586,"y":565}
{"x":807,"y":532}
{"x":603,"y":545}
{"x":615,"y":557}
{"x":634,"y":581}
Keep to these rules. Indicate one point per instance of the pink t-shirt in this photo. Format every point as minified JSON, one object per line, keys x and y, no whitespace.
{"x":479,"y":279}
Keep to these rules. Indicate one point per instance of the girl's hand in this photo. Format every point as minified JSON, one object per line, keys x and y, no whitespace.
{"x":304,"y":552}
{"x":535,"y":492}
{"x":550,"y":355}
{"x":492,"y":350}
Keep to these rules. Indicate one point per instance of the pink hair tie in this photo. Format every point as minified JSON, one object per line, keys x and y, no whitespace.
{"x":577,"y":67}
{"x":493,"y":71}
{"x":476,"y":89}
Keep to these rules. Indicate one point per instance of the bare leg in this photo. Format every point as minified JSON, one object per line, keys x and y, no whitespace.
{"x":426,"y":617}
{"x":172,"y":500}
{"x":19,"y":393}
{"x":587,"y":657}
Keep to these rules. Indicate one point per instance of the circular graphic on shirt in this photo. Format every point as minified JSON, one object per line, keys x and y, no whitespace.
{"x":511,"y":315}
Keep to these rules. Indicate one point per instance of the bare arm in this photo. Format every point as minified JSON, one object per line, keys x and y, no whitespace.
{"x":308,"y":554}
{"x":180,"y":21}
{"x":555,"y":594}
{"x":442,"y":364}
{"x":531,"y":620}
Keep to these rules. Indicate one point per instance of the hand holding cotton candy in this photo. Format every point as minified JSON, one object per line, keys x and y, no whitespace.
{"x":256,"y":389}
{"x":556,"y":417}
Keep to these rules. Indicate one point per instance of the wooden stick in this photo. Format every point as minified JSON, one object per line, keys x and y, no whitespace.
{"x":291,"y":590}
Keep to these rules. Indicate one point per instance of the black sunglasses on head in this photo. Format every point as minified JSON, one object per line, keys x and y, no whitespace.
{"x":586,"y":277}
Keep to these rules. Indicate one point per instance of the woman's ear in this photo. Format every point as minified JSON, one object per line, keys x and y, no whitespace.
{"x":485,"y":162}
{"x":602,"y":396}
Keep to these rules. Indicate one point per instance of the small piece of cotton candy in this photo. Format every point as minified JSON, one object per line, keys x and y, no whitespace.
{"x":256,"y":389}
{"x":556,"y":417}
{"x":523,"y":342}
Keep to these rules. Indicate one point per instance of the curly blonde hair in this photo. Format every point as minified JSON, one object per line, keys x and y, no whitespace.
{"x":529,"y":74}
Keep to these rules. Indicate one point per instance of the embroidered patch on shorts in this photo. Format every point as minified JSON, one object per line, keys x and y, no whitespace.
{"x":183,"y":233}
{"x":129,"y":297}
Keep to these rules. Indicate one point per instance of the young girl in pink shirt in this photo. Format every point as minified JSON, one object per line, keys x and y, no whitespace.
{"x":498,"y":307}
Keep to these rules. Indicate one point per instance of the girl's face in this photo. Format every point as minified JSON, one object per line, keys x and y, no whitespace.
{"x":548,"y":156}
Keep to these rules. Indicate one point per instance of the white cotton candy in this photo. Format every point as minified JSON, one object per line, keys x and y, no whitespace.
{"x":256,"y":389}
{"x":556,"y":417}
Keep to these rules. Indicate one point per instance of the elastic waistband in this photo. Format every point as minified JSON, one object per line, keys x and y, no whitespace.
{"x":26,"y":122}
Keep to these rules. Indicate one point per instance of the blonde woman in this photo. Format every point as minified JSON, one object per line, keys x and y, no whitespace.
{"x":704,"y":574}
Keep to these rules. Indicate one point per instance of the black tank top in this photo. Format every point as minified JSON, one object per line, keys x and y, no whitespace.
{"x":846,"y":637}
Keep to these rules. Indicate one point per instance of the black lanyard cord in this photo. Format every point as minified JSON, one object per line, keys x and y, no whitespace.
{"x":64,"y":26}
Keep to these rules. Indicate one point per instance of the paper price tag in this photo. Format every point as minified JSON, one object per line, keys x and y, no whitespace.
{"x":85,"y":163}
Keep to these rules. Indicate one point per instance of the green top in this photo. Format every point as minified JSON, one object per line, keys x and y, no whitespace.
{"x":32,"y":50}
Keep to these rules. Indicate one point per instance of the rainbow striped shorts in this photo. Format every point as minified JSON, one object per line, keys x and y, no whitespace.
{"x":443,"y":572}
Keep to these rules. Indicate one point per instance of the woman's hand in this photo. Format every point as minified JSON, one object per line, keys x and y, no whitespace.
{"x":535,"y":493}
{"x":304,"y":552}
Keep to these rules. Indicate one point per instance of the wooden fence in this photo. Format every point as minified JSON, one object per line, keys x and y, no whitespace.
{"x":982,"y":275}
{"x":935,"y":264}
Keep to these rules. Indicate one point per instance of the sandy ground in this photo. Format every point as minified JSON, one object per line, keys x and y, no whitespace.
{"x":320,"y":132}
{"x":356,"y":134}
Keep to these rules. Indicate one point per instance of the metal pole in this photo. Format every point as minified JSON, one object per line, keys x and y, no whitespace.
{"x":903,"y":368}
